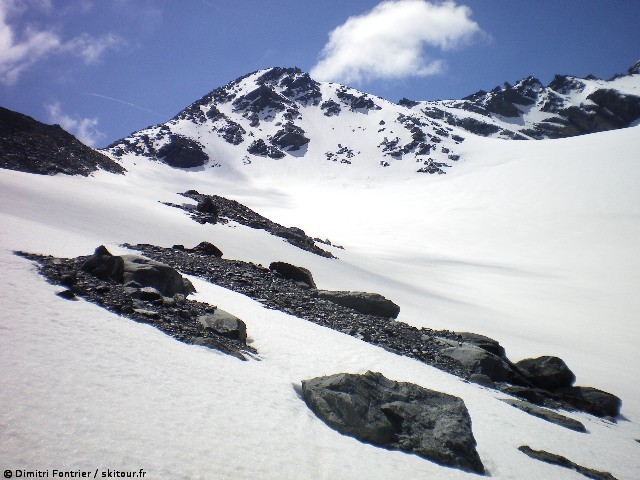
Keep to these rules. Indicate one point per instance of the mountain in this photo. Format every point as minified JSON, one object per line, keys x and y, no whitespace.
{"x":282,"y":113}
{"x":449,"y":300}
{"x":566,"y":107}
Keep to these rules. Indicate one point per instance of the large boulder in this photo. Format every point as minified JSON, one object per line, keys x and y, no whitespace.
{"x":477,"y":360}
{"x":300,"y":275}
{"x":225,"y":324}
{"x":363,"y":302}
{"x":592,"y":400}
{"x":207,"y":248}
{"x":547,"y":372}
{"x":182,"y":152}
{"x":104,"y":265}
{"x":397,"y":416}
{"x":143,"y":272}
{"x":486,"y":343}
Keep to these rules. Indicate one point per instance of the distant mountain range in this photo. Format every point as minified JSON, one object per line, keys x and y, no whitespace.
{"x":282,"y":112}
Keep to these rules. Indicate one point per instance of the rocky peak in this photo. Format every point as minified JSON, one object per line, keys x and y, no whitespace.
{"x":564,"y":84}
{"x":635,"y":68}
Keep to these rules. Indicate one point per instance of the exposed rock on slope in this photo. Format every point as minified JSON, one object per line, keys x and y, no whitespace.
{"x":396,"y":415}
{"x":34,"y":147}
{"x":568,"y":106}
{"x":145,"y":291}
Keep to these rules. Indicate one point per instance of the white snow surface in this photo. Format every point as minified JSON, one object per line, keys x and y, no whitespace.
{"x":533,"y":243}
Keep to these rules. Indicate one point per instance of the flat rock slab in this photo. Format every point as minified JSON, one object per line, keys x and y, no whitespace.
{"x":548,"y":415}
{"x":397,"y":416}
{"x":565,"y":462}
{"x":225,"y":324}
{"x":363,"y":302}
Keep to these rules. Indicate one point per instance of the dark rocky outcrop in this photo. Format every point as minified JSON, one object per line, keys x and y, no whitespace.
{"x":545,"y":414}
{"x":233,"y":210}
{"x":174,"y":314}
{"x":436,"y":348}
{"x":260,"y":147}
{"x":561,"y":461}
{"x":290,"y":137}
{"x":207,"y":248}
{"x":30,"y":146}
{"x":300,"y":275}
{"x":137,"y":272}
{"x":592,"y":400}
{"x":208,"y":210}
{"x":182,"y":152}
{"x":363,"y":302}
{"x":479,"y":361}
{"x":397,"y":416}
{"x":262,"y":98}
{"x":547,"y":372}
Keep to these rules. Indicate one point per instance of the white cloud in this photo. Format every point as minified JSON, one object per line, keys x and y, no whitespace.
{"x":83,"y":128}
{"x":89,"y":48}
{"x":20,"y":49}
{"x":390,"y":41}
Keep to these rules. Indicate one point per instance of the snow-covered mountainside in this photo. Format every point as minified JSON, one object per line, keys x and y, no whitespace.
{"x":530,"y":243}
{"x":566,"y":107}
{"x":281,"y":113}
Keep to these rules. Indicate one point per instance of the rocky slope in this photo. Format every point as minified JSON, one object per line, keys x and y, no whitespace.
{"x":568,"y":106}
{"x":31,"y":146}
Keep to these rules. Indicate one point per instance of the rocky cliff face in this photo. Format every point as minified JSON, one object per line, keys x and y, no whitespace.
{"x":31,"y":146}
{"x":568,"y":106}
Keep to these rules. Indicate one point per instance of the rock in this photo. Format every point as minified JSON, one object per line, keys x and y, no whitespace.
{"x":476,"y":360}
{"x":105,"y":266}
{"x":547,"y":372}
{"x":206,"y":248}
{"x":363,"y":302}
{"x":259,"y":147}
{"x":592,"y":400}
{"x":533,"y":395}
{"x":291,"y":272}
{"x":148,"y":294}
{"x":396,"y":416}
{"x":290,"y":137}
{"x":485,"y":343}
{"x":207,"y":206}
{"x":182,"y":152}
{"x":149,"y":273}
{"x":565,"y":462}
{"x":225,"y":324}
{"x":545,"y":414}
{"x":30,"y":146}
{"x":67,"y":295}
{"x":483,"y":380}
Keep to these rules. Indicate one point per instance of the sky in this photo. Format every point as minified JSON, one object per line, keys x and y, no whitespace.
{"x":104,"y":69}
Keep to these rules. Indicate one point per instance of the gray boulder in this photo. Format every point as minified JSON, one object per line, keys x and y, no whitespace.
{"x":142,"y":272}
{"x":225,"y":324}
{"x":486,"y":343}
{"x":363,"y":302}
{"x":300,"y":275}
{"x":397,"y":416}
{"x":479,"y":361}
{"x":104,"y":265}
{"x":207,"y":248}
{"x":547,"y":372}
{"x":592,"y":400}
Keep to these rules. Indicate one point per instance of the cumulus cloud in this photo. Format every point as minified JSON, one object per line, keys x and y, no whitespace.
{"x":22,"y":48}
{"x":83,"y":128}
{"x":391,"y":41}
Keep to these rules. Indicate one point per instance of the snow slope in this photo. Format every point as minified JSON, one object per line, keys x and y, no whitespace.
{"x":532,"y":243}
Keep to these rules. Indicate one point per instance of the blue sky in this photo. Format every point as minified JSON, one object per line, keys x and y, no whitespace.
{"x":104,"y":69}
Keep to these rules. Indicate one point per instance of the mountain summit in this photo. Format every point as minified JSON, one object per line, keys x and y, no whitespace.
{"x":282,"y":113}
